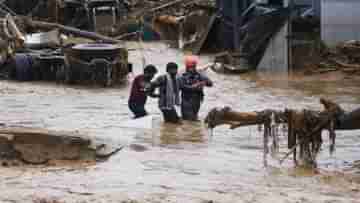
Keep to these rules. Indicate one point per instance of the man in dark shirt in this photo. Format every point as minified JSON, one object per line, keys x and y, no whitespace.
{"x":138,"y":94}
{"x":169,"y":97}
{"x":192,"y":85}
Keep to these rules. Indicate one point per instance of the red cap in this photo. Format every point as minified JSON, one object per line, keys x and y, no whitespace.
{"x":191,"y":61}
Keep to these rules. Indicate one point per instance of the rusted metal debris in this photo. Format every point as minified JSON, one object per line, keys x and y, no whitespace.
{"x":304,"y":128}
{"x":40,"y":146}
{"x":95,"y":63}
{"x":45,"y":56}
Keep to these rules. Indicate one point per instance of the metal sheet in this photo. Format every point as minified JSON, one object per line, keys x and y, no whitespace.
{"x":340,"y":21}
{"x":275,"y":59}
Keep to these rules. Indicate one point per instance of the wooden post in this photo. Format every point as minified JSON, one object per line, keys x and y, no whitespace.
{"x":235,"y":14}
{"x":290,"y":5}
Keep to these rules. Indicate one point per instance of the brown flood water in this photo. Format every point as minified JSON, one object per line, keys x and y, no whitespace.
{"x":179,"y":163}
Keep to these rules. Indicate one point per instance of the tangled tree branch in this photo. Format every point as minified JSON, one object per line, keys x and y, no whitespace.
{"x":304,"y":127}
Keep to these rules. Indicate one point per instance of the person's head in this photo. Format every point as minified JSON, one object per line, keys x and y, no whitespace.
{"x":191,"y":63}
{"x":149,"y":72}
{"x":172,"y":68}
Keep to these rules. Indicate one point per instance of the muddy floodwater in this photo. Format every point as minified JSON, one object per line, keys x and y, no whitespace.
{"x":170,"y":163}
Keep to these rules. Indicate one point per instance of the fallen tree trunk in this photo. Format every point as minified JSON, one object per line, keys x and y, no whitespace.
{"x":304,"y":127}
{"x":67,"y":30}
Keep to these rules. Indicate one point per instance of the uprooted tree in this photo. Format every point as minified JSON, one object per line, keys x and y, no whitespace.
{"x":304,"y":127}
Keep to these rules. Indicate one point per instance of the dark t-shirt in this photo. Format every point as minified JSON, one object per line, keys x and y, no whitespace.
{"x":137,"y":93}
{"x":187,"y":90}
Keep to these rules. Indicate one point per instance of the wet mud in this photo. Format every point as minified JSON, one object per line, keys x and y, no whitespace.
{"x":36,"y":146}
{"x":178,"y":163}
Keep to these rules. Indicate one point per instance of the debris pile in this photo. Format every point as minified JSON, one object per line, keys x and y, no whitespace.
{"x":345,"y":57}
{"x":41,"y":38}
{"x":46,"y":52}
{"x":184,"y":21}
{"x":304,"y":128}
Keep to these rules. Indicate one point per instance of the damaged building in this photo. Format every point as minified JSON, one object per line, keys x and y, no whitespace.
{"x":266,"y":32}
{"x":281,"y":36}
{"x":266,"y":35}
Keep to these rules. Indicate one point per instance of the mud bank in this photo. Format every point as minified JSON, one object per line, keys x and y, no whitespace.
{"x":20,"y":146}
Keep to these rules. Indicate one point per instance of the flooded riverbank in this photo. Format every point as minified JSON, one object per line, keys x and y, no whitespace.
{"x":178,"y":163}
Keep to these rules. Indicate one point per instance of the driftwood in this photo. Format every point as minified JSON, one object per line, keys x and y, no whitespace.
{"x":304,"y":127}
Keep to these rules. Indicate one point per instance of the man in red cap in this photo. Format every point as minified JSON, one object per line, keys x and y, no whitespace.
{"x":192,"y":85}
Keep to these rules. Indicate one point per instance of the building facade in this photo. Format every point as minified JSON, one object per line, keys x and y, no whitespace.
{"x":340,"y":21}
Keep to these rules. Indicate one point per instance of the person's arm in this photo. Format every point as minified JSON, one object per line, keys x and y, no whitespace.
{"x":206,"y":80}
{"x":186,"y":87}
{"x":153,"y":85}
{"x":203,"y":81}
{"x":150,"y":91}
{"x":154,"y":95}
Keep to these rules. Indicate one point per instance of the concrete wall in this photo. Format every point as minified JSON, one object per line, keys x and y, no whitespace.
{"x":340,"y":21}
